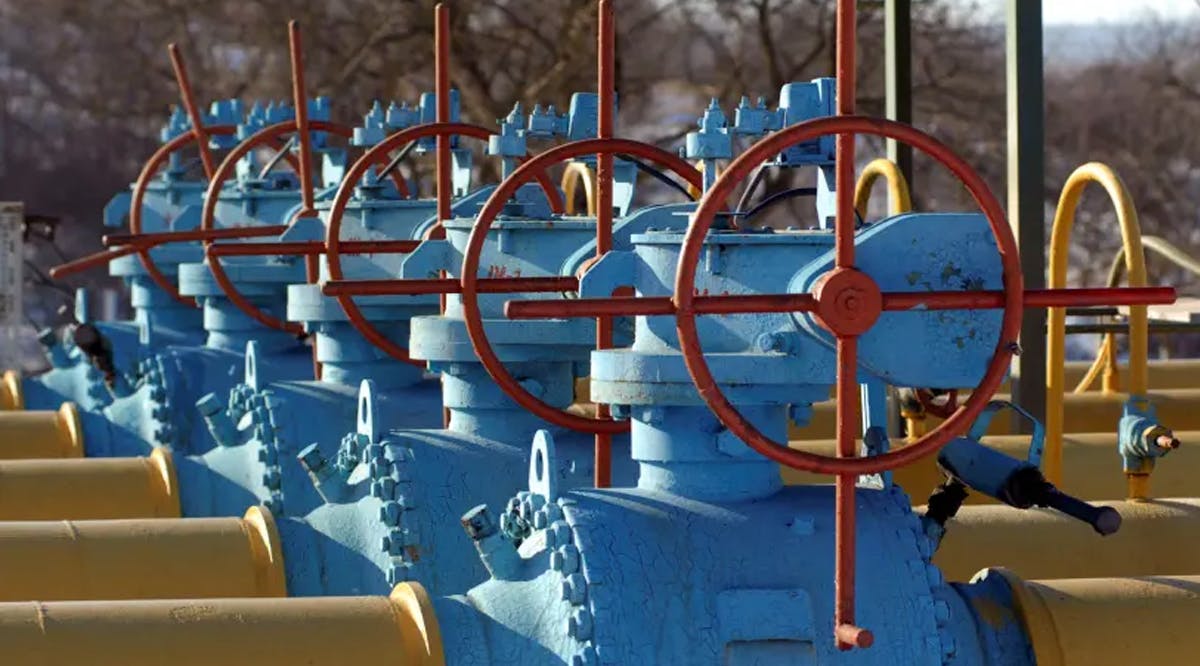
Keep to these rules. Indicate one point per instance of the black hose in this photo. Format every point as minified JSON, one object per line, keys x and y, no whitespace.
{"x":658,"y":175}
{"x":400,"y":156}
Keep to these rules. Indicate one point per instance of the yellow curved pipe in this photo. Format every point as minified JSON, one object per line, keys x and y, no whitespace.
{"x":11,"y":397}
{"x":89,"y":488}
{"x":41,"y":434}
{"x":575,"y":173}
{"x":186,"y":558}
{"x":1106,"y":355}
{"x":1108,"y":621}
{"x":1060,"y":238}
{"x":899,"y":198}
{"x":400,"y":629}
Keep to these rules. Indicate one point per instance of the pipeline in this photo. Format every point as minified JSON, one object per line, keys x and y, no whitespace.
{"x":1060,"y":235}
{"x":160,"y":558}
{"x":89,"y":488}
{"x":1105,"y":363}
{"x":396,"y":630}
{"x":41,"y":434}
{"x":1091,"y":467}
{"x":1157,"y":538}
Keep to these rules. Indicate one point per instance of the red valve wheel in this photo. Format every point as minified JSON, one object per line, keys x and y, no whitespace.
{"x":337,"y":210}
{"x":470,"y":266}
{"x":268,"y":136}
{"x":942,"y":410}
{"x":149,"y":170}
{"x":848,"y":302}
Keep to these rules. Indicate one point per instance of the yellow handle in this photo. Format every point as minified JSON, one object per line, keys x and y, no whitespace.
{"x":1060,"y":239}
{"x":575,"y":173}
{"x":899,"y":199}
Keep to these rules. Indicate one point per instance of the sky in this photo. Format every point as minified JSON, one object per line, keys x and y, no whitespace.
{"x":1113,"y":11}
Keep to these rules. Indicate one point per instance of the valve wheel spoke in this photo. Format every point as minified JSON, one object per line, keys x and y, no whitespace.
{"x":343,"y":289}
{"x":473,"y":285}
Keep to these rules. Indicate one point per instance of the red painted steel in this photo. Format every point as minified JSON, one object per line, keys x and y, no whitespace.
{"x":212,"y":196}
{"x":778,"y":303}
{"x":189,"y":105}
{"x":471,"y":282}
{"x":337,"y":211}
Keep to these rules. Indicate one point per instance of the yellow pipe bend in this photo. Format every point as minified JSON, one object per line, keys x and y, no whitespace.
{"x":399,"y":630}
{"x":575,"y":173}
{"x":186,"y":558}
{"x":11,"y":396}
{"x":899,"y":198}
{"x":1109,"y":621}
{"x":1060,"y":238}
{"x":41,"y":434}
{"x":89,"y":488}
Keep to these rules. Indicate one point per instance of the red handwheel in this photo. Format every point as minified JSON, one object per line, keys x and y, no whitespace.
{"x":337,"y":210}
{"x":470,"y":267}
{"x":149,"y":170}
{"x":847,"y":302}
{"x":270,"y":136}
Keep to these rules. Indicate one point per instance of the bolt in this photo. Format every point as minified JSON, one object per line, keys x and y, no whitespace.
{"x":574,"y":589}
{"x":268,"y":456}
{"x":310,"y":457}
{"x":384,"y":489}
{"x":478,"y":523}
{"x":398,"y":573}
{"x":271,"y":478}
{"x":565,"y":559}
{"x":585,"y":657}
{"x":559,"y":533}
{"x":772,"y":342}
{"x":579,"y":625}
{"x":941,"y":610}
{"x":389,"y":513}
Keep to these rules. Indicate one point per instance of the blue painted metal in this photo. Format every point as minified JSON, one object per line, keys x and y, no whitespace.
{"x":1137,"y":434}
{"x":709,"y":559}
{"x":171,"y":202}
{"x":388,"y":495}
{"x":169,"y":379}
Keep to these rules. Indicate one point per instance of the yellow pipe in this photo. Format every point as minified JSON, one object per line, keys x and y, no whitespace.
{"x":899,"y":199}
{"x":142,"y":559}
{"x":397,"y":630}
{"x":1110,"y":621}
{"x":1092,"y":469}
{"x":89,"y":488}
{"x":1083,"y":413}
{"x":41,"y":434}
{"x":11,"y":397}
{"x":1156,"y":538}
{"x":1060,"y":238}
{"x":575,"y":173}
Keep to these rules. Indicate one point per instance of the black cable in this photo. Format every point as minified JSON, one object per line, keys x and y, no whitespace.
{"x":778,"y":196}
{"x":658,"y":175}
{"x":400,"y":156}
{"x":755,"y":181}
{"x":283,"y":150}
